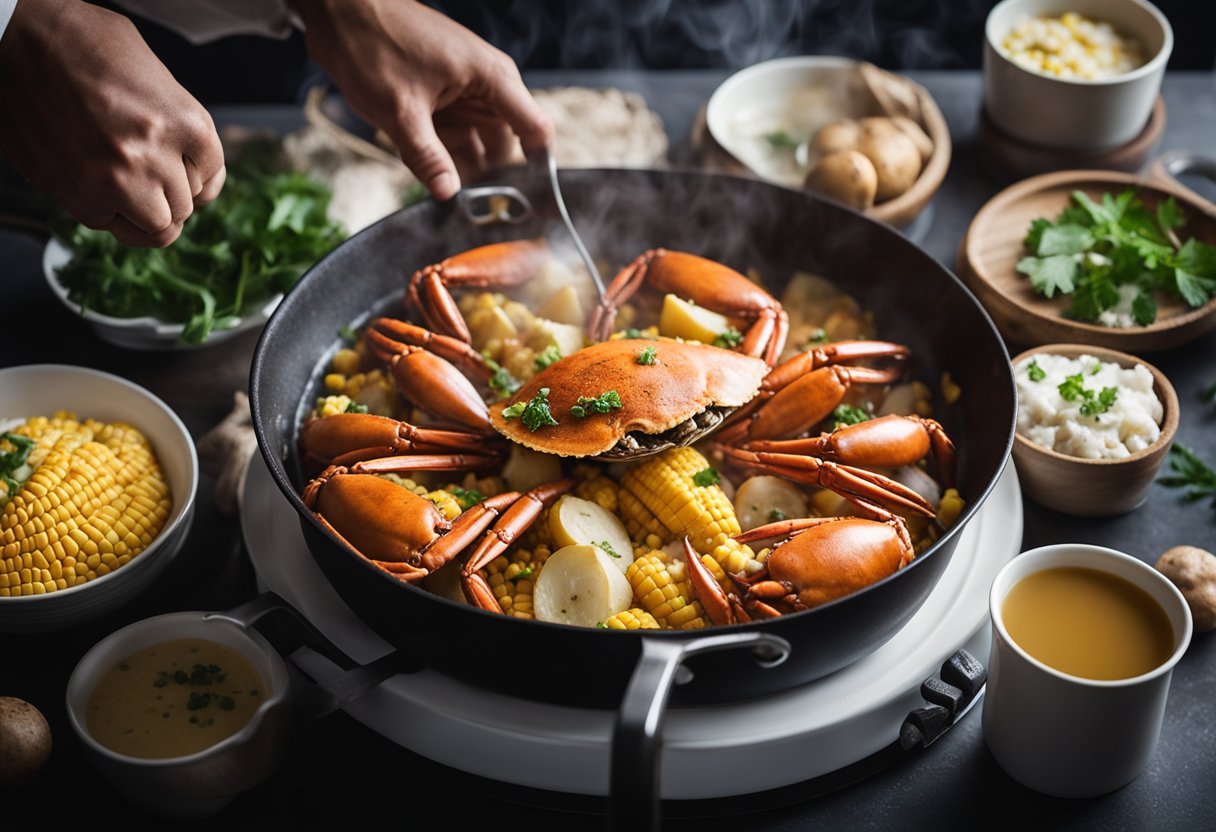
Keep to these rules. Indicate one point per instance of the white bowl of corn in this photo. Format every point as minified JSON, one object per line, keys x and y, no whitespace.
{"x":97,"y":485}
{"x":1074,"y":74}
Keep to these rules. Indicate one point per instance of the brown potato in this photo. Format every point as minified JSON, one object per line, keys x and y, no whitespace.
{"x":837,"y":135}
{"x":1193,"y":571}
{"x":25,"y":742}
{"x":875,"y":126}
{"x":895,"y":157}
{"x":917,"y":134}
{"x":846,"y":176}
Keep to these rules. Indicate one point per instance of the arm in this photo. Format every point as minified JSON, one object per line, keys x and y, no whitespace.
{"x":453,"y":105}
{"x":91,"y":118}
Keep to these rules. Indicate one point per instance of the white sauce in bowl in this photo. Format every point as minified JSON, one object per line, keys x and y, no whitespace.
{"x":1130,"y":424}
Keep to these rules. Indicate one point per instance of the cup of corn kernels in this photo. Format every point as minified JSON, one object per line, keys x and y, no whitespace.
{"x":1074,"y":74}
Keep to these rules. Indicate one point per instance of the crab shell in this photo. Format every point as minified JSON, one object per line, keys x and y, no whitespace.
{"x":685,"y":380}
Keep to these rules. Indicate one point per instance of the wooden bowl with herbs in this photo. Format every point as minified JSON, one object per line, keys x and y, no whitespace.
{"x":1094,"y":257}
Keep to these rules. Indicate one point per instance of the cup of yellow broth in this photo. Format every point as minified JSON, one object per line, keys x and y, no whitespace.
{"x":1084,"y":642}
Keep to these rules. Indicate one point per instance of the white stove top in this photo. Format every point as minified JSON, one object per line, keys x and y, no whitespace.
{"x":708,"y":752}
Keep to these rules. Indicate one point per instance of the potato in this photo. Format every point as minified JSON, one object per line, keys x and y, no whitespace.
{"x":837,"y":135}
{"x":684,"y":319}
{"x":846,"y":176}
{"x":489,"y":324}
{"x":1193,"y":571}
{"x":25,"y":742}
{"x":563,"y":307}
{"x":569,"y":339}
{"x":580,"y":585}
{"x":760,"y":500}
{"x":574,"y":521}
{"x":527,"y":468}
{"x":896,"y":160}
{"x":917,"y":134}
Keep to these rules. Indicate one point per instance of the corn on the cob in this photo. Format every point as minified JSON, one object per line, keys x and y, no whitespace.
{"x":512,"y":578}
{"x":664,"y":484}
{"x":96,"y":498}
{"x":632,"y":619}
{"x":662,"y":588}
{"x":639,"y":521}
{"x":600,"y":490}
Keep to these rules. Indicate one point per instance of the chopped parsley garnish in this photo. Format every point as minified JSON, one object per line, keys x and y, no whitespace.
{"x":10,"y":461}
{"x":776,"y":515}
{"x":1092,"y":404}
{"x":845,"y":415}
{"x":646,"y":356}
{"x":1192,"y":473}
{"x":600,"y":625}
{"x":1035,"y":372}
{"x":602,"y":403}
{"x":524,"y":573}
{"x":607,"y":547}
{"x":819,"y":335}
{"x":706,"y":477}
{"x":1094,"y":248}
{"x":466,"y":497}
{"x":355,"y":407}
{"x":198,"y":700}
{"x":502,"y":382}
{"x":731,"y":338}
{"x":534,"y":413}
{"x":548,"y":355}
{"x":347,"y":334}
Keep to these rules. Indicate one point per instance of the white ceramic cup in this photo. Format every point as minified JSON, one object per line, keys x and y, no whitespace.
{"x":1075,"y":113}
{"x":1064,"y":735}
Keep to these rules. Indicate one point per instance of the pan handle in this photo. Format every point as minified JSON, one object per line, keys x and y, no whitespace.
{"x":1174,"y":163}
{"x":287,"y":630}
{"x":634,"y":795}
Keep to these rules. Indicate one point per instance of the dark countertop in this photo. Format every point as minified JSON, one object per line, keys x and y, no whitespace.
{"x":337,"y":768}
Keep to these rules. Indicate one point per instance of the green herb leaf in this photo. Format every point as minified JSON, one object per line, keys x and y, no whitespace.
{"x":1053,"y":274}
{"x":1195,"y":290}
{"x":347,"y":334}
{"x":1192,"y":473}
{"x":1168,"y":215}
{"x":731,"y":338}
{"x":706,"y":477}
{"x":819,"y":335}
{"x":502,"y":382}
{"x":534,"y":413}
{"x":1144,"y":308}
{"x":845,"y":415}
{"x":611,"y":400}
{"x":646,"y":356}
{"x":1094,"y":406}
{"x":1064,"y":239}
{"x":1072,"y":388}
{"x":780,"y":138}
{"x":548,"y":355}
{"x":10,"y":461}
{"x":776,"y":515}
{"x":607,"y":547}
{"x":526,"y":572}
{"x":355,"y":407}
{"x":1034,"y":372}
{"x":466,"y":497}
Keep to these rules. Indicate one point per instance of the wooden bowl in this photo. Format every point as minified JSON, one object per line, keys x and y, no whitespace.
{"x":850,"y":89}
{"x":1094,"y":487}
{"x":989,"y":253}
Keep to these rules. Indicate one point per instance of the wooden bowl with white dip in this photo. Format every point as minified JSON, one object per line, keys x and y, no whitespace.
{"x":1093,"y":453}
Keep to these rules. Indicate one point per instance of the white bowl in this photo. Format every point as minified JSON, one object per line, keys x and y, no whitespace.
{"x":201,"y":784}
{"x":42,"y":389}
{"x":1075,"y":114}
{"x":144,"y":333}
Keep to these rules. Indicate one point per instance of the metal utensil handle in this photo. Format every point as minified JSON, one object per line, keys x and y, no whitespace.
{"x":1174,"y":163}
{"x":492,"y":204}
{"x":294,"y":631}
{"x":634,"y":795}
{"x":545,"y":157}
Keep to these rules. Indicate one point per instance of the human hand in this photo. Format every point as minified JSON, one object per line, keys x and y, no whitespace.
{"x":454,"y":106}
{"x":94,"y":120}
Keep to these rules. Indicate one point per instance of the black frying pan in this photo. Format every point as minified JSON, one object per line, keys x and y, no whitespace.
{"x":621,"y":213}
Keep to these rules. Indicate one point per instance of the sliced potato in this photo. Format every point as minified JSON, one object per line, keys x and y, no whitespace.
{"x":761,"y":500}
{"x":564,"y":308}
{"x":684,"y":319}
{"x":526,"y":468}
{"x":574,"y":521}
{"x":568,"y":339}
{"x":580,"y":585}
{"x":488,"y":324}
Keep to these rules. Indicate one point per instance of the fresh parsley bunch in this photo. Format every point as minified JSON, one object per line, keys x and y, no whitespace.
{"x":251,"y":243}
{"x":1091,"y":249}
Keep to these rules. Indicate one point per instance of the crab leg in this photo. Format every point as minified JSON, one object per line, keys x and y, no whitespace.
{"x":454,"y":350}
{"x":515,"y":521}
{"x":494,"y":266}
{"x":708,"y":284}
{"x":862,"y":488}
{"x":431,"y":382}
{"x":347,"y":438}
{"x":465,"y":529}
{"x":886,"y":442}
